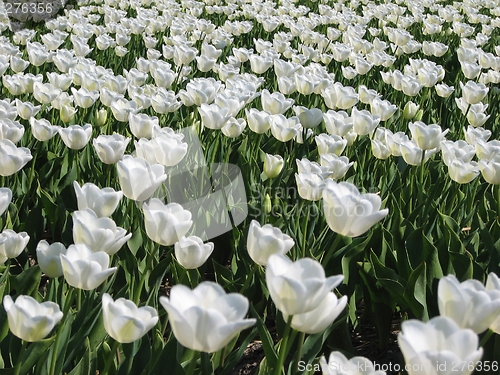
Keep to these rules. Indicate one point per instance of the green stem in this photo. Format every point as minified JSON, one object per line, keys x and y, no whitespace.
{"x":304,"y":233}
{"x":79,"y":300}
{"x":302,"y":337}
{"x":486,"y":337}
{"x":249,"y":279}
{"x":192,"y":364}
{"x":67,"y":305}
{"x":283,"y":347}
{"x":332,"y":249}
{"x":17,"y":369}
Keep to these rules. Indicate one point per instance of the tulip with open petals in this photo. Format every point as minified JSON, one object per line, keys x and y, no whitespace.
{"x":264,"y":241}
{"x":191,"y":252}
{"x":348,"y":212}
{"x":166,"y":223}
{"x":124,"y":321}
{"x":138,"y":179}
{"x":438,"y":344}
{"x":102,"y":201}
{"x":110,"y":148}
{"x":84,"y":269}
{"x":298,"y":287}
{"x":98,"y":233}
{"x":30,"y":320}
{"x":483,"y":306}
{"x":12,"y":158}
{"x":12,"y":244}
{"x":206,"y":319}
{"x":338,"y":364}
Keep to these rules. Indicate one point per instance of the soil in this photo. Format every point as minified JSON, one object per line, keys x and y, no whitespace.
{"x":364,"y":339}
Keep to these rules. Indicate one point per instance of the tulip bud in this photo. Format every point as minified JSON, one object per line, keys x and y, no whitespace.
{"x":101,"y":117}
{"x":267,"y":206}
{"x":410,"y":110}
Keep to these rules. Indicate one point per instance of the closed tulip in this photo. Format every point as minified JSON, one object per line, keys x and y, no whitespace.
{"x":330,"y":144}
{"x":84,"y":269}
{"x":12,"y":244}
{"x":166,"y":224}
{"x":124,"y":321}
{"x":273,"y":164}
{"x":349,"y":213}
{"x":110,"y":148}
{"x":438,"y":344}
{"x":309,"y":118}
{"x":206,"y":319}
{"x":412,"y":154}
{"x":493,"y":283}
{"x":297,"y":287}
{"x":49,"y":259}
{"x":234,"y":127}
{"x":30,"y":320}
{"x":26,"y":110}
{"x":76,"y":137}
{"x":102,"y":201}
{"x":483,"y":306}
{"x":99,"y":234}
{"x":213,"y":116}
{"x":138,"y":179}
{"x":191,"y":252}
{"x":284,"y":129}
{"x":264,"y":241}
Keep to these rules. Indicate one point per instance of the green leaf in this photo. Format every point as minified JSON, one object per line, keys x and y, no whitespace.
{"x":415,"y":293}
{"x":267,"y":340}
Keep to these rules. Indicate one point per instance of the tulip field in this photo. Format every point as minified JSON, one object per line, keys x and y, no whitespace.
{"x":183,"y":180}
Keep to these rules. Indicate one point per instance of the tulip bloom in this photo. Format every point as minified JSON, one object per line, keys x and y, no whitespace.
{"x":191,"y":252}
{"x":483,"y":306}
{"x":12,"y":244}
{"x":273,"y":164}
{"x":99,"y":234}
{"x":348,"y":212}
{"x":12,"y":158}
{"x":124,"y":321}
{"x":110,"y":148}
{"x":166,"y":224}
{"x":5,"y":199}
{"x":102,"y":201}
{"x":76,"y":137}
{"x":49,"y":258}
{"x":206,"y":319}
{"x":138,"y":179}
{"x":298,"y":287}
{"x":264,"y":241}
{"x":30,"y":320}
{"x":427,"y":137}
{"x":339,"y":364}
{"x":438,"y":343}
{"x":84,"y":269}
